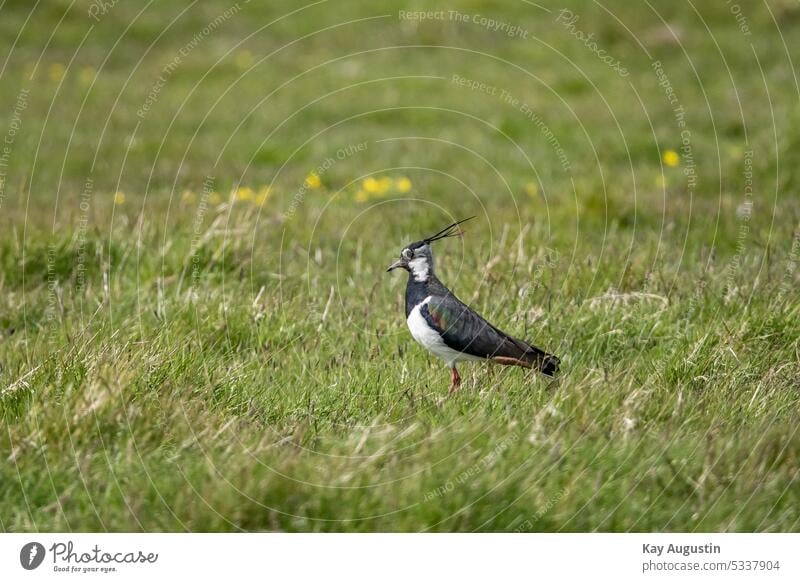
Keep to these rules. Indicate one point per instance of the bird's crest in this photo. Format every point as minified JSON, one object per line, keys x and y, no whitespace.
{"x":448,"y":231}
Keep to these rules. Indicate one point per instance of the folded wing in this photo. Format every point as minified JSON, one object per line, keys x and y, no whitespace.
{"x":465,"y":331}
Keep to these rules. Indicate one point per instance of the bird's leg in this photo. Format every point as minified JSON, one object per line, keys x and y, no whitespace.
{"x":455,"y":380}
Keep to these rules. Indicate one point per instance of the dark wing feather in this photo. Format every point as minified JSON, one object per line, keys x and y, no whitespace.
{"x":465,"y":331}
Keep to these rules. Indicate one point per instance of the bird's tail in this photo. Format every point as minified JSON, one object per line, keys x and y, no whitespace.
{"x":540,"y":360}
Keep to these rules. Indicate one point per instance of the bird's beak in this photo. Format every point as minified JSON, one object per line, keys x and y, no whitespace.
{"x":397,"y":264}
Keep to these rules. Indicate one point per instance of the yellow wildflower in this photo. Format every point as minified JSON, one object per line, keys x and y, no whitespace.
{"x":370,"y":185}
{"x":531,"y":189}
{"x":119,"y":198}
{"x":188,"y":197}
{"x":263,"y":195}
{"x":56,"y":71}
{"x":313,"y":181}
{"x":244,"y":194}
{"x":243,"y":59}
{"x":403,"y":184}
{"x":671,"y":158}
{"x":361,"y":196}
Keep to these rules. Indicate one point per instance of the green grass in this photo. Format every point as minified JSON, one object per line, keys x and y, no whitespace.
{"x":195,"y":362}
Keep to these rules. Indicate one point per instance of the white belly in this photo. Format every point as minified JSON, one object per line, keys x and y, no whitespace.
{"x":430,"y":339}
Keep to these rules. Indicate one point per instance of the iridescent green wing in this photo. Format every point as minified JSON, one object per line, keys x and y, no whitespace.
{"x":465,"y":331}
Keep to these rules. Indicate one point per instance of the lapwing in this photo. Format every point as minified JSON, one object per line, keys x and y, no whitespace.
{"x":450,"y":329}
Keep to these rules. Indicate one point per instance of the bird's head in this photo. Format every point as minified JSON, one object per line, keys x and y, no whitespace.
{"x":417,"y":257}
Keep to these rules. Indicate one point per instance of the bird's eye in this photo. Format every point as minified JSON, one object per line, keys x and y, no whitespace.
{"x":407,"y":254}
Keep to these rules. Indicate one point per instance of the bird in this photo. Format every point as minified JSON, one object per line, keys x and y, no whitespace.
{"x":450,"y":329}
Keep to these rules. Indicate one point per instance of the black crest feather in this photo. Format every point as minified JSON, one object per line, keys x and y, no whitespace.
{"x":448,"y":231}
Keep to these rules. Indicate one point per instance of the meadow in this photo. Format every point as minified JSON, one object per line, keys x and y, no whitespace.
{"x":199,"y":200}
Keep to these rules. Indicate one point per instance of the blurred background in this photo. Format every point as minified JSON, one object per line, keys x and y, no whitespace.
{"x":198,"y":201}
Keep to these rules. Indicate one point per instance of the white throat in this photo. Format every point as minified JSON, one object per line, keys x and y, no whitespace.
{"x":419,"y":269}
